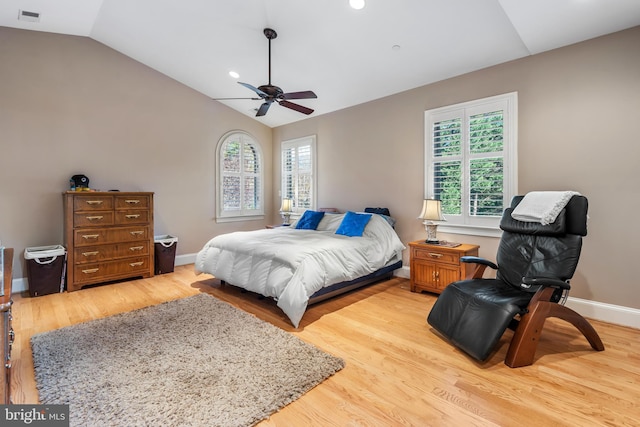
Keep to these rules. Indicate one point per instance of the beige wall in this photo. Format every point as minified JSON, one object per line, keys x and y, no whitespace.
{"x":579,"y":108}
{"x":72,"y":105}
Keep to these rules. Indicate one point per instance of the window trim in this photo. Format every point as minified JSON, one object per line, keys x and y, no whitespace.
{"x":243,"y":214}
{"x":298,"y":142}
{"x":509,"y":104}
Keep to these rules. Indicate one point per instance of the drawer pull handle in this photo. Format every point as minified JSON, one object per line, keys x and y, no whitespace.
{"x":94,"y":202}
{"x":90,"y":236}
{"x":96,"y":217}
{"x":136,"y":264}
{"x":136,"y":233}
{"x":90,"y":270}
{"x":132,"y":216}
{"x":132,"y":202}
{"x":435,"y":255}
{"x":92,"y":253}
{"x":136,"y":248}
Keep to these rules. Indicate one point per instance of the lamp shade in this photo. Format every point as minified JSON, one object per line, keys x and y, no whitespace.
{"x":431,"y":210}
{"x":286,"y":205}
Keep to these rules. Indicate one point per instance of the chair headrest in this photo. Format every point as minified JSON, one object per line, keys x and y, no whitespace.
{"x":572,"y":220}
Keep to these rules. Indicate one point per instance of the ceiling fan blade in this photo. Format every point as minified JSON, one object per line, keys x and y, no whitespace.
{"x":296,"y":107}
{"x":263,"y":109}
{"x":225,"y":99}
{"x":299,"y":95}
{"x":255,"y":89}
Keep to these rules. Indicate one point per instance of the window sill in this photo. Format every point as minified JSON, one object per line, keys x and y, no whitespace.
{"x":240,"y":218}
{"x":471,"y":230}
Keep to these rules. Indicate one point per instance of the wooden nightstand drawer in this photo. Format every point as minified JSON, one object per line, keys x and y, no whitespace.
{"x":435,"y":255}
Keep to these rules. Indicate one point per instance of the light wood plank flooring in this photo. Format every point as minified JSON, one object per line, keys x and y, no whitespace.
{"x":398,"y":371}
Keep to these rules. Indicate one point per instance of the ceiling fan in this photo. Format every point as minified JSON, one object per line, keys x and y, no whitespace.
{"x":270,"y":93}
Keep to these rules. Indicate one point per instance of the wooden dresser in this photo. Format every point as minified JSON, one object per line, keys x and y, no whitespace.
{"x":108,"y":236}
{"x":6,"y":329}
{"x":433,"y":267}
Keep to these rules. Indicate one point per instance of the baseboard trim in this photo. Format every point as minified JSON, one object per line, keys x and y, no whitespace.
{"x":185,"y":259}
{"x":610,"y":313}
{"x":19,"y":285}
{"x":404,"y":272}
{"x":620,"y":315}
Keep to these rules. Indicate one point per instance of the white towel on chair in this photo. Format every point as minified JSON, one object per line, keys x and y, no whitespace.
{"x":542,"y":206}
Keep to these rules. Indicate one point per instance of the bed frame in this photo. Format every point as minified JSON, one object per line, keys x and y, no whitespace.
{"x":385,"y":273}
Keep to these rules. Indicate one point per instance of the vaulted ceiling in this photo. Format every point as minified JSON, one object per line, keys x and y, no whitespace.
{"x":345,"y":56}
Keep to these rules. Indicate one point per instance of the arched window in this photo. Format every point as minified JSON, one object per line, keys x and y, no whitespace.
{"x":240,"y":181}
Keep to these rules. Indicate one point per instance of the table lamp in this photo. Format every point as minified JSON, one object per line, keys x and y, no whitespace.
{"x":285,"y":210}
{"x":431,"y":211}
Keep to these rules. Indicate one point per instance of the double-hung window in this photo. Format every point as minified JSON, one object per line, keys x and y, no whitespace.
{"x":240,"y":178}
{"x":471,"y":162}
{"x":299,"y":173}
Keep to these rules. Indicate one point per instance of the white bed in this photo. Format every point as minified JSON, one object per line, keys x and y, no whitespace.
{"x":291,"y":265}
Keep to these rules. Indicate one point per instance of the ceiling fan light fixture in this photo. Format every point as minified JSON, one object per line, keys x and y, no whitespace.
{"x":270,"y":93}
{"x":356,"y":4}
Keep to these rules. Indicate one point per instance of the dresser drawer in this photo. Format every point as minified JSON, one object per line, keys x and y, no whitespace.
{"x":93,"y":219}
{"x":92,"y":203}
{"x":102,"y":271}
{"x":133,"y":202}
{"x":435,"y":255}
{"x":109,"y":252}
{"x":132,"y":217}
{"x":89,"y":237}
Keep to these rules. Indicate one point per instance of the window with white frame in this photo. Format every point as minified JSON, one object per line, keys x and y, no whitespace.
{"x":299,"y":173}
{"x":240,"y":178}
{"x":471,"y":162}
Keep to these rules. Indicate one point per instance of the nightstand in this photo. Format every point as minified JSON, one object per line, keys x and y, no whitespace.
{"x":277,"y":225}
{"x":433,"y":267}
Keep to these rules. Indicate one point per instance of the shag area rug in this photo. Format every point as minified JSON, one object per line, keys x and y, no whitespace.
{"x":196,"y":361}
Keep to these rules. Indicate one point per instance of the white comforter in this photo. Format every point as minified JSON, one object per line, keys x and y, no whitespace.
{"x":291,"y":265}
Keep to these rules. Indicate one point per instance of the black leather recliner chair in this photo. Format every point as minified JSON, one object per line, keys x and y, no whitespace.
{"x":535,"y":263}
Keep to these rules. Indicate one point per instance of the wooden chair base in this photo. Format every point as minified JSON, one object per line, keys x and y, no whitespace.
{"x":527,"y":335}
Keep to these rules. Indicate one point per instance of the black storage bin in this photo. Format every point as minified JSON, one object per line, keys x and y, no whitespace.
{"x":46,"y":268}
{"x":165,"y":253}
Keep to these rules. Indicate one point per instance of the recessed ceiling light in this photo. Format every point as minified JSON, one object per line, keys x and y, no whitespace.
{"x":356,"y":4}
{"x":234,"y":74}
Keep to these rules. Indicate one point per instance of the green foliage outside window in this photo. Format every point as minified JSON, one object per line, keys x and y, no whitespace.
{"x":483,"y":157}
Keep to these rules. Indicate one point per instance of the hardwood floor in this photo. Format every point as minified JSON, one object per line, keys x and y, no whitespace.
{"x":398,"y":371}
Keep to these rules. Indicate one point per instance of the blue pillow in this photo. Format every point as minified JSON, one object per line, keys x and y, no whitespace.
{"x":353,"y":224}
{"x":309,"y":220}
